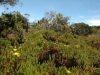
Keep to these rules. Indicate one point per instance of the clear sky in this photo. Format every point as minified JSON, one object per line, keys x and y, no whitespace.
{"x":87,"y":11}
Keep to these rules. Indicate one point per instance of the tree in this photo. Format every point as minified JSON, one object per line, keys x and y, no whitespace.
{"x":27,"y":25}
{"x":53,"y":21}
{"x":14,"y":24}
{"x":81,"y":29}
{"x":59,"y":21}
{"x":43,"y":24}
{"x":9,"y":2}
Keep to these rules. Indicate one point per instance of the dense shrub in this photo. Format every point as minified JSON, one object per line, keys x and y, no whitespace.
{"x":81,"y":29}
{"x":4,"y":43}
{"x":65,"y":54}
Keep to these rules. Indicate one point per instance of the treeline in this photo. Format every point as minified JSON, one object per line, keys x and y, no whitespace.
{"x":58,"y":22}
{"x":13,"y":24}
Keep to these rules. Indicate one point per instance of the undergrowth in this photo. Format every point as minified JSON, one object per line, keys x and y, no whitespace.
{"x":47,"y":46}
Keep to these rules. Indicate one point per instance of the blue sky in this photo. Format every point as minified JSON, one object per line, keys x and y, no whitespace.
{"x":87,"y":11}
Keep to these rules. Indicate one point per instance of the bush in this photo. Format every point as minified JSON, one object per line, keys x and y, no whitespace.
{"x":81,"y":29}
{"x":4,"y":43}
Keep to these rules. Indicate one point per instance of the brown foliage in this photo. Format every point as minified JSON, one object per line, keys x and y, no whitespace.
{"x":59,"y":59}
{"x":95,"y":45}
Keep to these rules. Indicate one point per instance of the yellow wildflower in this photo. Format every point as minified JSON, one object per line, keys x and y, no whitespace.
{"x":16,"y":54}
{"x":64,"y":45}
{"x":11,"y":52}
{"x":77,"y":46}
{"x":15,"y":49}
{"x":68,"y":71}
{"x":67,"y":45}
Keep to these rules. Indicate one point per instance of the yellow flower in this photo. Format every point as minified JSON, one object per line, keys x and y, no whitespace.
{"x":67,"y":45}
{"x":11,"y":52}
{"x":77,"y":46}
{"x":15,"y":49}
{"x":64,"y":45}
{"x":68,"y":71}
{"x":16,"y":54}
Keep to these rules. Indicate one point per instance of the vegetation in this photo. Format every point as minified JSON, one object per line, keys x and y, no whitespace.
{"x":51,"y":46}
{"x":9,"y":2}
{"x":81,"y":29}
{"x":13,"y":25}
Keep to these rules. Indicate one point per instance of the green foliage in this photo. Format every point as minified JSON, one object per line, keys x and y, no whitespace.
{"x":61,"y":52}
{"x":12,"y":26}
{"x":81,"y":29}
{"x":4,"y":43}
{"x":53,"y":21}
{"x":69,"y":45}
{"x":9,"y":2}
{"x":13,"y":20}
